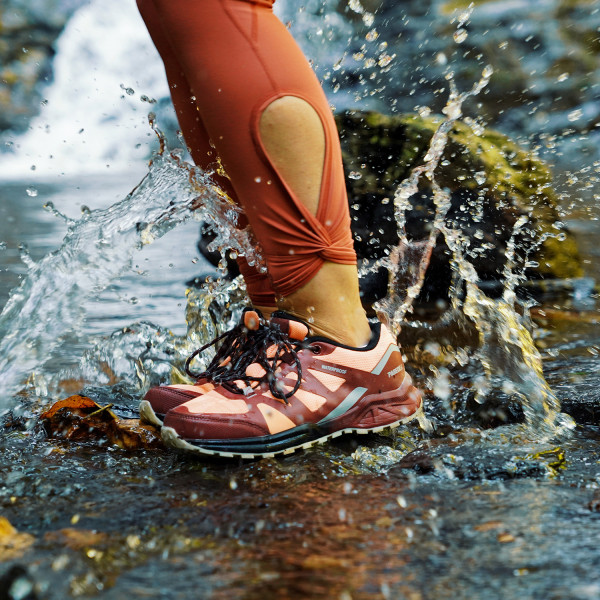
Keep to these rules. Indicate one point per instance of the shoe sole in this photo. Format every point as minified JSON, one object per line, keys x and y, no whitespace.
{"x":147,"y":414}
{"x":286,"y":442}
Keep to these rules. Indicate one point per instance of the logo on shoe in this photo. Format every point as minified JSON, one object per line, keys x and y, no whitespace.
{"x":395,"y":371}
{"x":336,"y":369}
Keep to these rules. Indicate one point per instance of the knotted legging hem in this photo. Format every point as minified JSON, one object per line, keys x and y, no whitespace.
{"x":227,"y":61}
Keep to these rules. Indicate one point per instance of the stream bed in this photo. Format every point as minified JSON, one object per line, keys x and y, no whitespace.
{"x":95,"y":302}
{"x":465,"y":511}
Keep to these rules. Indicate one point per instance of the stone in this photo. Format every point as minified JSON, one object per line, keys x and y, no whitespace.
{"x":492,"y":182}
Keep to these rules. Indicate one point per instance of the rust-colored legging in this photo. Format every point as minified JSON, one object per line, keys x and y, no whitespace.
{"x":226,"y":62}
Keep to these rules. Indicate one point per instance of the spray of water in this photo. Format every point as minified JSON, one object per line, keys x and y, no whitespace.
{"x":99,"y":247}
{"x":415,"y":255}
{"x":510,"y":360}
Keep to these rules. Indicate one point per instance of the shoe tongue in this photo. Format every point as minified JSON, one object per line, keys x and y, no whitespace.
{"x":292,"y":326}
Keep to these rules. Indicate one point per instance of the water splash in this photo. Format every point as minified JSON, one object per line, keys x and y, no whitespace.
{"x":408,"y":261}
{"x":507,"y":353}
{"x":48,"y":305}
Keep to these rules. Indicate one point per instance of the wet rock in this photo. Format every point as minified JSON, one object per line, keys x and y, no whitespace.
{"x":473,"y":462}
{"x":594,"y":503}
{"x":492,"y":181}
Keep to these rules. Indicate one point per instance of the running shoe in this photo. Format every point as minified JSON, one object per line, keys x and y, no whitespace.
{"x":159,"y":400}
{"x":288,"y":391}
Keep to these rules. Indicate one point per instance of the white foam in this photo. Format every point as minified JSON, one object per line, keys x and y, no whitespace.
{"x":89,"y":123}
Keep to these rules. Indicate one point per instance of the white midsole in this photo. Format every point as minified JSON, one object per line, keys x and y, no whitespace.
{"x":172,"y":439}
{"x":147,"y":414}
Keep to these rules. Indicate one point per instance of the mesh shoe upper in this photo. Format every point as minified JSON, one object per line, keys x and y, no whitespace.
{"x":303,"y":381}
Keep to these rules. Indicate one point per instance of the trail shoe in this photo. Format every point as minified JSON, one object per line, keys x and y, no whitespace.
{"x":283,"y":390}
{"x":159,"y":400}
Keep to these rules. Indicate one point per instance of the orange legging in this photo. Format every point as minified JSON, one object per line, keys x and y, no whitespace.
{"x":226,"y":61}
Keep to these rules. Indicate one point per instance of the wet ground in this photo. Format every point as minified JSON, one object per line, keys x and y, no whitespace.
{"x":468,"y":511}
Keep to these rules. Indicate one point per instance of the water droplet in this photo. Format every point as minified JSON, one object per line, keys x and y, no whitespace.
{"x":368,"y":19}
{"x":354,"y":175}
{"x":258,"y":179}
{"x":356,"y":6}
{"x":441,"y":59}
{"x":372,"y":35}
{"x":385,"y":60}
{"x":575,"y":115}
{"x":460,"y":35}
{"x":488,"y":71}
{"x":233,"y":484}
{"x":562,"y":77}
{"x":31,"y":192}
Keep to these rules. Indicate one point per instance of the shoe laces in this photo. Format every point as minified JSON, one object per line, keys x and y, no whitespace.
{"x":254,"y":341}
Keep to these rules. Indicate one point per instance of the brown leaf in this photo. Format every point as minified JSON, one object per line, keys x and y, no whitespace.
{"x":505,"y":538}
{"x":76,"y":539}
{"x":319,"y":562}
{"x":488,"y":526}
{"x":80,"y":405}
{"x":12,"y":543}
{"x":80,"y":419}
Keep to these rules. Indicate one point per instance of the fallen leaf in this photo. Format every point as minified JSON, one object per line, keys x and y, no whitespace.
{"x":80,"y":419}
{"x":318,"y":562}
{"x":505,"y":538}
{"x":12,"y":543}
{"x":488,"y":526}
{"x":76,"y":539}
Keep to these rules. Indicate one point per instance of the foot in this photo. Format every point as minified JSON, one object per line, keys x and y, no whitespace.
{"x":294,"y":392}
{"x":159,"y":400}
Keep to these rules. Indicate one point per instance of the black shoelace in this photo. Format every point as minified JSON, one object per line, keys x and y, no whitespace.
{"x":240,"y":347}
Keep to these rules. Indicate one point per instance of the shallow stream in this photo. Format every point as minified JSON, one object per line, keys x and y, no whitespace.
{"x":481,"y":506}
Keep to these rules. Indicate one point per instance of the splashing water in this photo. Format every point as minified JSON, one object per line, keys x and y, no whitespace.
{"x":506,"y":351}
{"x":97,"y":248}
{"x":397,"y":304}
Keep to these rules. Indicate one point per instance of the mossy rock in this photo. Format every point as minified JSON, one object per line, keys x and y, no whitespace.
{"x":492,"y":182}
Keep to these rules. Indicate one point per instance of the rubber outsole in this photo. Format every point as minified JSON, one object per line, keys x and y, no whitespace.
{"x":288,"y":442}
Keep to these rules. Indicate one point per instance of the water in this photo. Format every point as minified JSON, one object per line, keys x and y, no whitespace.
{"x":465,"y":511}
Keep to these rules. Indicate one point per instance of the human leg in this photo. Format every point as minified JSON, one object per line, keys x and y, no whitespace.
{"x":201,"y":148}
{"x":269,"y":119}
{"x":245,"y":71}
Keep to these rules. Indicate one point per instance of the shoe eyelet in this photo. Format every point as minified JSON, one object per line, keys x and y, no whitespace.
{"x":316,"y":349}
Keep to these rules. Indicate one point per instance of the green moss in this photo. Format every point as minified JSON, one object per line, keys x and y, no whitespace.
{"x":384,"y":149}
